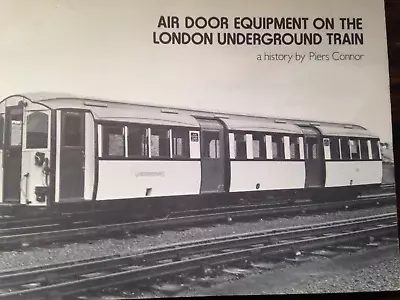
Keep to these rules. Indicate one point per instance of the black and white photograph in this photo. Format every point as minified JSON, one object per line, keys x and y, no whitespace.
{"x":182,"y":148}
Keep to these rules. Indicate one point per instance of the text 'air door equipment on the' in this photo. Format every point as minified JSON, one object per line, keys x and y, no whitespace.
{"x":314,"y":157}
{"x":212,"y":156}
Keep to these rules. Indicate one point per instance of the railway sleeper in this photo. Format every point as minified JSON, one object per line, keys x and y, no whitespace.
{"x":290,"y":249}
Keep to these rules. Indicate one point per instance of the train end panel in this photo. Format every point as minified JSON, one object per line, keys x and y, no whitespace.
{"x":25,"y":152}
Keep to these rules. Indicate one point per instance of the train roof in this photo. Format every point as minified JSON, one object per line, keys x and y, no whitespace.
{"x":103,"y":109}
{"x":262,"y":125}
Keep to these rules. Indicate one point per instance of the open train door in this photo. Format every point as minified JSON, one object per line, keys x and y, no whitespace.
{"x":314,"y":157}
{"x":213,"y":156}
{"x":26,"y":151}
{"x":12,"y":153}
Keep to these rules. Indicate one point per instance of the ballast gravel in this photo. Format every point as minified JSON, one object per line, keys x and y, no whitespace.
{"x":61,"y":253}
{"x":368,"y":270}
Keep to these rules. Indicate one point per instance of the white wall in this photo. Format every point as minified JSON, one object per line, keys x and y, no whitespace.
{"x":271,"y":175}
{"x":360,"y":172}
{"x":129,"y":179}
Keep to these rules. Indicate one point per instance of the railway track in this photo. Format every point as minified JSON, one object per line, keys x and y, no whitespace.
{"x":78,"y":277}
{"x":105,"y":216}
{"x":102,"y":216}
{"x":12,"y":238}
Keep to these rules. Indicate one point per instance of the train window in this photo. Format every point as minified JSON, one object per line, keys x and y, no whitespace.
{"x":364,"y":149}
{"x":240,"y":145}
{"x":16,"y":128}
{"x":294,"y":148}
{"x":159,"y":142}
{"x":73,"y":129}
{"x":180,"y":143}
{"x":311,"y":148}
{"x":314,"y":151}
{"x":354,"y":149}
{"x":345,"y":149}
{"x":214,"y":149}
{"x":1,"y":130}
{"x":37,"y":130}
{"x":259,"y":148}
{"x":278,"y":149}
{"x":375,"y":149}
{"x":334,"y":147}
{"x":138,"y":141}
{"x":210,"y":144}
{"x":113,"y":140}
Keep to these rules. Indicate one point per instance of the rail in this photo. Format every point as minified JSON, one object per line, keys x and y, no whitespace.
{"x":76,"y":277}
{"x":15,"y":237}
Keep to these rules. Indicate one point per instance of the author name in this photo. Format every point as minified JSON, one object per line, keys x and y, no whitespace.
{"x":335,"y":56}
{"x":311,"y":56}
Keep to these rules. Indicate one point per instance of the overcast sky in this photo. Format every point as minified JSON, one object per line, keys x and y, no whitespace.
{"x":104,"y":49}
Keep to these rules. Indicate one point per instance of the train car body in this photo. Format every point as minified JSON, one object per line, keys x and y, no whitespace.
{"x":63,"y":150}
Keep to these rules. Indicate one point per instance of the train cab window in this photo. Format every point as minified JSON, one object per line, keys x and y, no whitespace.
{"x":240,"y":145}
{"x":180,"y":143}
{"x":113,"y":141}
{"x":259,"y":148}
{"x":294,"y":148}
{"x":37,"y":129}
{"x":138,"y":141}
{"x":1,"y":130}
{"x":73,"y":129}
{"x":278,"y":147}
{"x":159,"y":142}
{"x":375,"y":149}
{"x":354,"y":149}
{"x":210,"y":144}
{"x":334,"y":148}
{"x":364,"y":149}
{"x":345,"y":148}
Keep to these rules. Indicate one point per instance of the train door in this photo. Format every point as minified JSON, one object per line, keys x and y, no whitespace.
{"x":26,"y":152}
{"x":71,"y":162}
{"x":212,"y":155}
{"x":314,"y":157}
{"x":12,"y":154}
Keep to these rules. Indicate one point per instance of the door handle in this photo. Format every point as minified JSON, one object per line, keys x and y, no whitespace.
{"x":7,"y":153}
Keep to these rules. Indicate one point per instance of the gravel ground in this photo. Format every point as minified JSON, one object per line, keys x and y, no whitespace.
{"x":38,"y":256}
{"x":366,"y":271}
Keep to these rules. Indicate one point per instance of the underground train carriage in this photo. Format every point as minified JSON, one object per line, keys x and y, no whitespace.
{"x":67,"y":153}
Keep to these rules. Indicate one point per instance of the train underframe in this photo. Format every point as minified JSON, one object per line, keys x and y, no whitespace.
{"x":163,"y":206}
